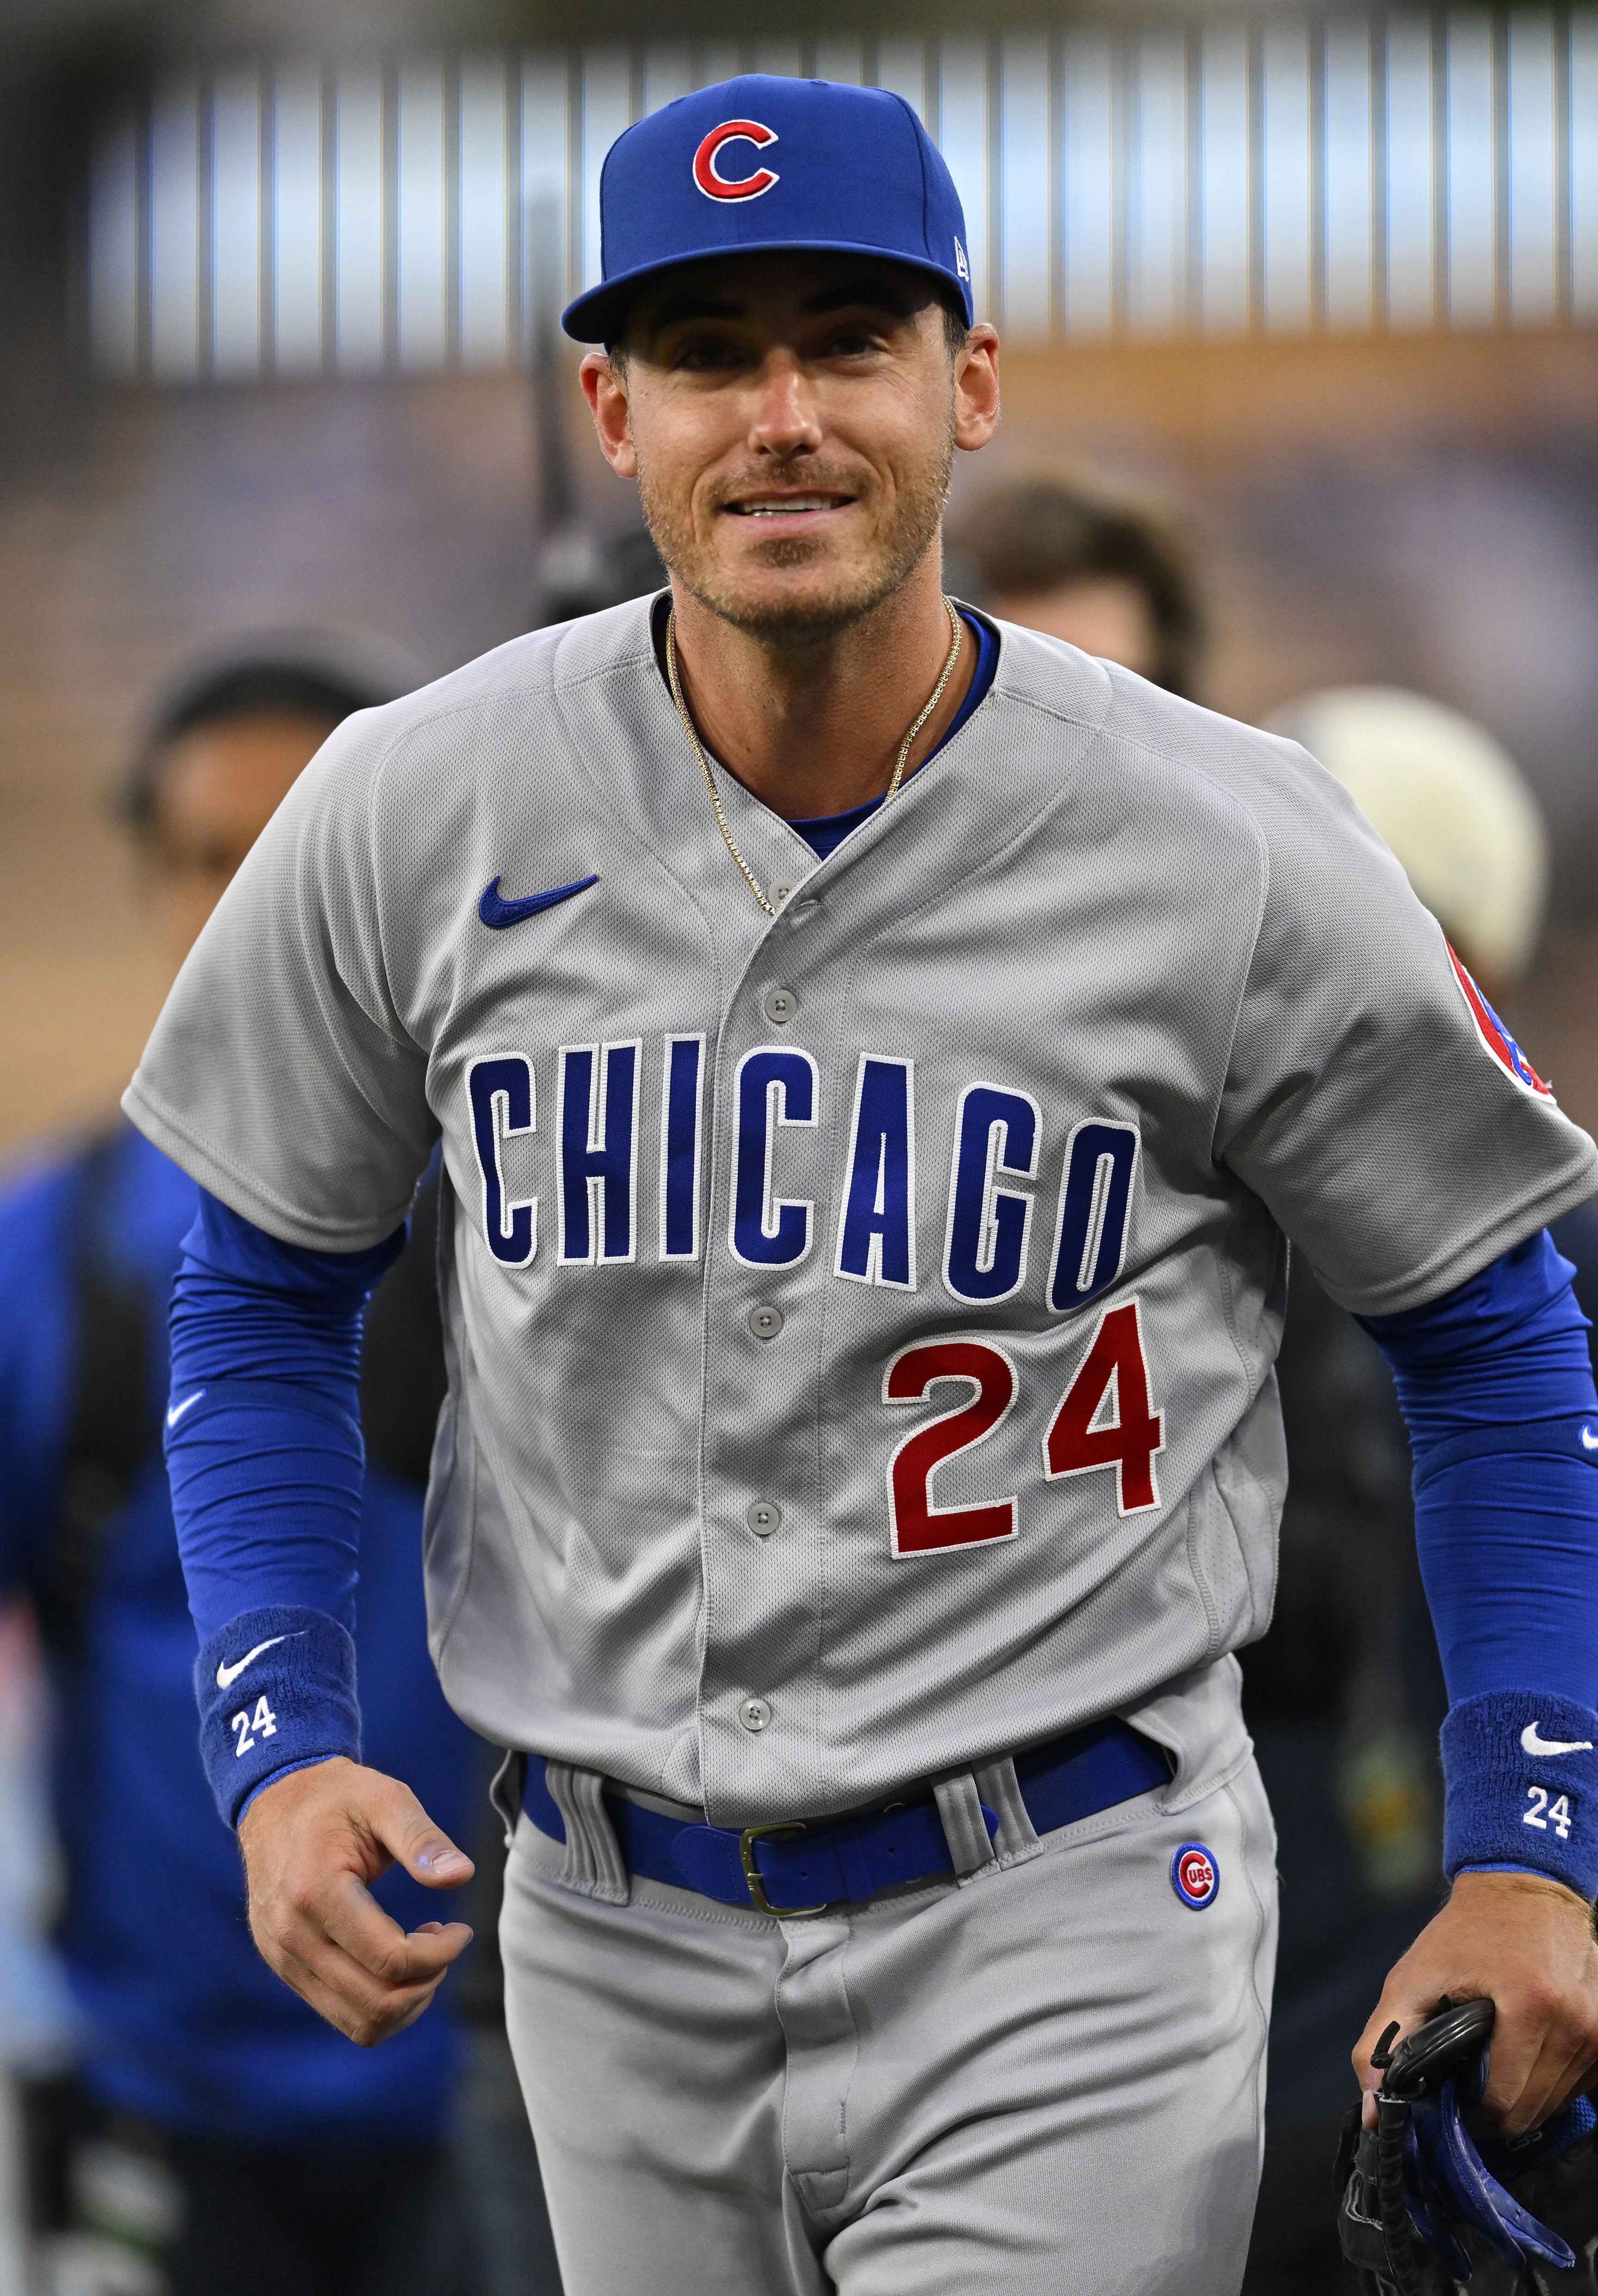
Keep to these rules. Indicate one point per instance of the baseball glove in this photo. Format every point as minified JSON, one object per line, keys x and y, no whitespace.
{"x":1422,"y":2212}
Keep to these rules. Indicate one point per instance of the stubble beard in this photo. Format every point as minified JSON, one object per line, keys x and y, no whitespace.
{"x":857,"y":591}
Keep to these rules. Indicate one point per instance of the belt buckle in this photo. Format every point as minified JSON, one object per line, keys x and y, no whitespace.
{"x":752,"y":1874}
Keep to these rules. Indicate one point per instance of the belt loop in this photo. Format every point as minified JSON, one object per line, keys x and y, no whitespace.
{"x":1000,"y":1789}
{"x":505,"y":1793}
{"x":594,"y":1864}
{"x":964,"y":1829}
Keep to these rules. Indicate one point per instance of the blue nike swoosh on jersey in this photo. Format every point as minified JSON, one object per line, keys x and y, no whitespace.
{"x":497,"y":913}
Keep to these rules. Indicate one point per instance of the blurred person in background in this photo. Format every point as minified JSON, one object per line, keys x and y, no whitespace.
{"x":1106,"y":575}
{"x":213,"y":2120}
{"x":1344,"y":1696}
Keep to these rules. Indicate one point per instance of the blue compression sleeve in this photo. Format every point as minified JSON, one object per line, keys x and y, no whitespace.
{"x":1496,"y":1385}
{"x":264,"y":1456}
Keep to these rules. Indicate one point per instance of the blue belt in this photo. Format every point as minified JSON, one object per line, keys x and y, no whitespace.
{"x":793,"y":1867}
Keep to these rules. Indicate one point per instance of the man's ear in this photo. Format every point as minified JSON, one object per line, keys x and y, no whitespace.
{"x":977,"y":389}
{"x":605,"y":387}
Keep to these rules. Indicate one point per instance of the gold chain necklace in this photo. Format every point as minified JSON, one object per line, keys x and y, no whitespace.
{"x":917,"y":722}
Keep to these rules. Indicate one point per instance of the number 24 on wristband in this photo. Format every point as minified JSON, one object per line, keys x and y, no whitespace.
{"x":1105,"y":1422}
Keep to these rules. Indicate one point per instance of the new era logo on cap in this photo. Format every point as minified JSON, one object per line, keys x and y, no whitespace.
{"x":759,"y":165}
{"x":707,"y":170}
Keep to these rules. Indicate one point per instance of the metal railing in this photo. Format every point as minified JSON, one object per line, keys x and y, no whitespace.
{"x":411,"y":213}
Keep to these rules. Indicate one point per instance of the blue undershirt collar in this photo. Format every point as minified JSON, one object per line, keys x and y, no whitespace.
{"x":826,"y":833}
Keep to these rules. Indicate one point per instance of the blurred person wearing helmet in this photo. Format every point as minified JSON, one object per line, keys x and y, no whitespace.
{"x":213,"y":2122}
{"x":1456,"y":811}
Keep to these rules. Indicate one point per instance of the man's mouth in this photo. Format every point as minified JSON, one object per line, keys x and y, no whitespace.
{"x":787,"y":506}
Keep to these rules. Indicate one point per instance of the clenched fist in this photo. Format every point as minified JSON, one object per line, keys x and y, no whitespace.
{"x":314,"y":1842}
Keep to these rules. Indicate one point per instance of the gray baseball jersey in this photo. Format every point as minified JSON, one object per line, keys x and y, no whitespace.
{"x":861,"y":1324}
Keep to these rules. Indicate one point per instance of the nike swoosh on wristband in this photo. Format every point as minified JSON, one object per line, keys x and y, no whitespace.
{"x":1589,"y":1441}
{"x":1534,"y":1744}
{"x":174,"y":1412}
{"x":226,"y":1676}
{"x":496,"y":912}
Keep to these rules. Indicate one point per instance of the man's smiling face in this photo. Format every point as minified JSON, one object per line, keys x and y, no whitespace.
{"x":791,"y":421}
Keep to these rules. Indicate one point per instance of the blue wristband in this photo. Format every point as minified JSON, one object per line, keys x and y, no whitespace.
{"x":276,"y":1691}
{"x":1521,"y":1786}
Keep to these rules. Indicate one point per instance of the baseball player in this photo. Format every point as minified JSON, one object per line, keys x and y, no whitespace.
{"x":878,"y":1056}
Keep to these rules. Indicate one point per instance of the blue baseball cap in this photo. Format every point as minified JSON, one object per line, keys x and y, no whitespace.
{"x":758,"y":164}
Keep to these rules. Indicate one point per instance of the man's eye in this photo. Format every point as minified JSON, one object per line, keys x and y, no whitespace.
{"x":706,"y":356}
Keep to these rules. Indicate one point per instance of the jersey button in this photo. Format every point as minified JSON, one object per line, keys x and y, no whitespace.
{"x":754,"y":1714}
{"x":764,"y":1517}
{"x":780,"y":891}
{"x":766,"y":1323}
{"x":779,"y":1006}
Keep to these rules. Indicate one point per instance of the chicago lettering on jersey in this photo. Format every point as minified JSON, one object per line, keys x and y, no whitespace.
{"x":999,"y":1171}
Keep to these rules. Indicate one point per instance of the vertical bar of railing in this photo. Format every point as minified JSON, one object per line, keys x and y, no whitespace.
{"x":1564,"y":296}
{"x":990,"y":78}
{"x":235,"y":172}
{"x":1192,"y":203}
{"x":1255,"y":179}
{"x":452,"y":211}
{"x":143,"y":363}
{"x":1582,"y":173}
{"x":1534,"y":190}
{"x":485,"y":340}
{"x":1121,"y":168}
{"x":205,"y":237}
{"x":1470,"y":179}
{"x":993,"y":174}
{"x":573,"y":171}
{"x":328,"y":194}
{"x":1380,"y":314}
{"x":1503,"y":266}
{"x":1057,"y":194}
{"x":266,"y":161}
{"x":390,"y":215}
{"x":1441,"y":256}
{"x":109,"y":249}
{"x":515,"y":255}
{"x":1318,"y":176}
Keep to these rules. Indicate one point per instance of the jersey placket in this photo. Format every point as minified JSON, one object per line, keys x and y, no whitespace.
{"x":768,"y":1221}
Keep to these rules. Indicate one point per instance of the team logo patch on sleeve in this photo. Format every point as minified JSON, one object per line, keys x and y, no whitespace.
{"x":1495,"y":1036}
{"x":1195,"y":1876}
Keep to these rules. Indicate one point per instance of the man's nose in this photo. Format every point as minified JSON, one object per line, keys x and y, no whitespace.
{"x":786,"y":419}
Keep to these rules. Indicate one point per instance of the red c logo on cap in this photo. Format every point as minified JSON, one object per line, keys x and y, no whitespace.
{"x":714,"y":185}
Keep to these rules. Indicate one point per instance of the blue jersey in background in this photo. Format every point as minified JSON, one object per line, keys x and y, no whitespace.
{"x":184,"y":2023}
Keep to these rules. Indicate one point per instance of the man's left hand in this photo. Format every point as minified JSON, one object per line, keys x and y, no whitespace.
{"x":1526,"y":1943}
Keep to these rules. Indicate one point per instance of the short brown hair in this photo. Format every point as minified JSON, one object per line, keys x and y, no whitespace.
{"x":1037,"y":534}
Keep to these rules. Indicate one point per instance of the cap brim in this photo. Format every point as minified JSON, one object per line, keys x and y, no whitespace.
{"x":600,"y":316}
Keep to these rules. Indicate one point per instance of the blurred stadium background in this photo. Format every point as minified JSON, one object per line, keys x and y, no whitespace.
{"x":1326,"y":284}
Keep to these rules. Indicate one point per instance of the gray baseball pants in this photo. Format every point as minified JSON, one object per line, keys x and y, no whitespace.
{"x":1048,"y":2076}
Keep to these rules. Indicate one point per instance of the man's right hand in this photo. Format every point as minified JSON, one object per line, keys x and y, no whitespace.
{"x":314,"y":1841}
